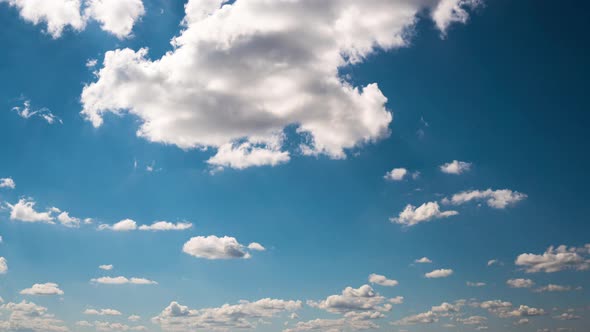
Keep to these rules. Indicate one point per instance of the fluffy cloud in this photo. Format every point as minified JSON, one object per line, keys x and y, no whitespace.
{"x":455,"y":167}
{"x":106,"y":267}
{"x":440,"y":273}
{"x":102,"y":312}
{"x":166,"y":226}
{"x":498,"y":199}
{"x":44,"y":113}
{"x":49,"y":288}
{"x":452,"y":11}
{"x":505,"y":309}
{"x":25,"y":211}
{"x":382,"y":280}
{"x":412,"y":215}
{"x":116,"y":16}
{"x":428,"y":317}
{"x":7,"y":183}
{"x":256,"y":246}
{"x":124,"y":225}
{"x":213,"y":247}
{"x":363,"y":298}
{"x":110,"y":326}
{"x":65,"y":219}
{"x":423,"y":260}
{"x":520,"y":283}
{"x":123,"y":281}
{"x":333,"y":325}
{"x":243,"y":315}
{"x":396,"y":174}
{"x":27,"y":316}
{"x":3,"y":266}
{"x":262,"y":66}
{"x":556,"y":259}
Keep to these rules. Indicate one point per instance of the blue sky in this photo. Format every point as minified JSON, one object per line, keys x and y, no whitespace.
{"x":290,"y":162}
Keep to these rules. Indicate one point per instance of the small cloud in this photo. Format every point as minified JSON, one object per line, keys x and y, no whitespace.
{"x":455,"y":167}
{"x":7,"y":183}
{"x":440,"y":273}
{"x":382,"y":280}
{"x":396,"y":174}
{"x":423,"y":260}
{"x":44,"y":113}
{"x":123,"y":280}
{"x":124,"y":225}
{"x":412,"y":215}
{"x":49,"y":288}
{"x":520,"y":283}
{"x":106,"y":267}
{"x":91,"y":63}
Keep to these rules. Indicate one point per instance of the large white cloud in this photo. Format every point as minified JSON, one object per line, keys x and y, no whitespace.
{"x":24,"y":210}
{"x":243,"y":315}
{"x":29,"y":317}
{"x":214,"y":247}
{"x":412,"y":215}
{"x":49,"y":288}
{"x":556,"y":259}
{"x":498,"y":199}
{"x":115,"y":16}
{"x":240,"y":73}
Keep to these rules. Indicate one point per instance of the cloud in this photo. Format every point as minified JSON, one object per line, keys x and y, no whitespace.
{"x":553,"y":288}
{"x":498,"y":199}
{"x":65,"y":219}
{"x":567,"y":316}
{"x":452,"y":11}
{"x":3,"y":266}
{"x":49,"y":288}
{"x":243,"y":315}
{"x":475,"y":284}
{"x":423,"y":260}
{"x":363,"y":298}
{"x":106,"y":267}
{"x":455,"y":167}
{"x":124,"y":225}
{"x":256,"y":246}
{"x":213,"y":247}
{"x":44,"y":113}
{"x":382,"y":280}
{"x":556,"y":259}
{"x":263,"y":66}
{"x":123,"y":281}
{"x":396,"y":174}
{"x":102,"y":312}
{"x":110,"y":326}
{"x":166,"y":226}
{"x":428,"y":317}
{"x":520,"y":283}
{"x":505,"y":309}
{"x":7,"y":183}
{"x":115,"y":16}
{"x":440,"y":273}
{"x":412,"y":215}
{"x":494,"y":262}
{"x":91,"y":63}
{"x":25,"y":211}
{"x":29,"y":317}
{"x":134,"y":318}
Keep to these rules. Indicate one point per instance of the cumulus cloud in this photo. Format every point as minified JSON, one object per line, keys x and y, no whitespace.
{"x":504,"y":309}
{"x":7,"y":183}
{"x":428,"y":317}
{"x":256,"y":246}
{"x":24,"y":210}
{"x":412,"y":215}
{"x":498,"y":199}
{"x":452,"y":11}
{"x":49,"y":288}
{"x":363,"y":298}
{"x":440,"y":273}
{"x":244,"y":315}
{"x":102,"y":312}
{"x":115,"y":16}
{"x":124,"y":225}
{"x":123,"y":280}
{"x":65,"y":219}
{"x":110,"y":326}
{"x":556,"y":259}
{"x":3,"y":266}
{"x":44,"y":113}
{"x":455,"y":167}
{"x":106,"y":267}
{"x":520,"y":283}
{"x":423,"y":260}
{"x":382,"y":280}
{"x":166,"y":226}
{"x":396,"y":174}
{"x":27,"y":316}
{"x":263,"y":66}
{"x":213,"y":247}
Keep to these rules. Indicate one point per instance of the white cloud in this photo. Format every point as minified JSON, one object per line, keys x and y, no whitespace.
{"x":49,"y":288}
{"x":520,"y":283}
{"x":256,"y":246}
{"x":494,"y":262}
{"x":397,"y":300}
{"x":553,"y":288}
{"x":115,"y":16}
{"x":7,"y":183}
{"x":423,"y":260}
{"x":123,"y":281}
{"x":65,"y":219}
{"x":166,"y":226}
{"x":567,"y":316}
{"x":498,"y":199}
{"x":363,"y":298}
{"x":243,"y":315}
{"x":382,"y":280}
{"x":263,"y":66}
{"x":134,"y":318}
{"x":27,"y":316}
{"x":44,"y":113}
{"x":428,"y":317}
{"x":555,"y":259}
{"x":91,"y":63}
{"x":475,"y":284}
{"x":3,"y":266}
{"x":124,"y":225}
{"x":110,"y":326}
{"x":455,"y":167}
{"x":213,"y":247}
{"x":25,"y":211}
{"x":396,"y":174}
{"x":412,"y":215}
{"x":106,"y":267}
{"x":440,"y":273}
{"x":102,"y":312}
{"x":505,"y":309}
{"x":452,"y":11}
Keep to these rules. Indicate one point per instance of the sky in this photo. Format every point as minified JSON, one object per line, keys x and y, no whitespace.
{"x":301,"y":165}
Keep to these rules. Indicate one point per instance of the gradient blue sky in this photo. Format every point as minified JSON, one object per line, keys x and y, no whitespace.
{"x":505,"y":92}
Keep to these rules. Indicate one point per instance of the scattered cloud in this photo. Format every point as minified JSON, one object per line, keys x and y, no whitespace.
{"x":49,"y":288}
{"x":412,"y":215}
{"x":44,"y":113}
{"x":123,"y":281}
{"x":498,"y":199}
{"x":25,"y":211}
{"x":115,"y":16}
{"x":556,"y":259}
{"x":102,"y":312}
{"x":455,"y":167}
{"x":213,"y":247}
{"x":492,"y":262}
{"x":448,"y":12}
{"x":256,"y":246}
{"x":3,"y":266}
{"x":124,"y":225}
{"x":475,"y":284}
{"x":27,"y":316}
{"x":423,"y":260}
{"x":7,"y":183}
{"x":440,"y":273}
{"x":567,"y":316}
{"x":106,"y":267}
{"x":553,"y":288}
{"x":520,"y":283}
{"x":166,"y":226}
{"x":382,"y":280}
{"x":396,"y":174}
